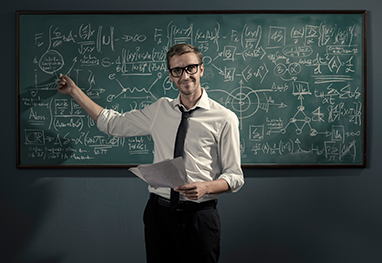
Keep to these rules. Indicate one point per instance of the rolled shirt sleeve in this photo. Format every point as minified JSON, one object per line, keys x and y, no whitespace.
{"x":229,"y":152}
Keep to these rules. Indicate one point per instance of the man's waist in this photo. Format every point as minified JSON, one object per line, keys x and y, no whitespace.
{"x":184,"y":205}
{"x":165,"y":192}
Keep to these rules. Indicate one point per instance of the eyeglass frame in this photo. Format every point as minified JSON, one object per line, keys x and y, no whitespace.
{"x":185,"y":69}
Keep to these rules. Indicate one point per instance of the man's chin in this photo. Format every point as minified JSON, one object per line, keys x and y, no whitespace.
{"x":186,"y":92}
{"x":186,"y":89}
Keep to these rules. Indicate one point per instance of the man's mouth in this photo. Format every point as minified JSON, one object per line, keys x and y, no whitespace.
{"x":187,"y":82}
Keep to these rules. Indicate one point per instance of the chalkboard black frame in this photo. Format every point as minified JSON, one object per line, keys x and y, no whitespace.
{"x":275,"y":13}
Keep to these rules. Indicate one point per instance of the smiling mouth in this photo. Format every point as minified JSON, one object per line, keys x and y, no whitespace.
{"x":187,"y":82}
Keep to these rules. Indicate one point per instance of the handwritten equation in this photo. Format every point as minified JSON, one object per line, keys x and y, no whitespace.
{"x":294,"y":81}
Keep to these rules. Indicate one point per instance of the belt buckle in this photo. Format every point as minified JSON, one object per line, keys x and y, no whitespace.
{"x":179,"y":209}
{"x":183,"y":206}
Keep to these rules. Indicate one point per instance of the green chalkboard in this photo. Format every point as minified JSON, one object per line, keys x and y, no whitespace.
{"x":295,"y":79}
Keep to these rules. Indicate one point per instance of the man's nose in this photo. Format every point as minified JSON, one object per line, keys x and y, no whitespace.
{"x":185,"y":75}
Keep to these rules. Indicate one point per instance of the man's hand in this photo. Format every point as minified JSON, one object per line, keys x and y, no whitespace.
{"x":66,"y":85}
{"x":192,"y":191}
{"x":196,"y":190}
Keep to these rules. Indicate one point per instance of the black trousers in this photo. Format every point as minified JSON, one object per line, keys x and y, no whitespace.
{"x":191,"y":235}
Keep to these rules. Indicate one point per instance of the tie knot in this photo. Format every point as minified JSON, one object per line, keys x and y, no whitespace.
{"x":186,"y":114}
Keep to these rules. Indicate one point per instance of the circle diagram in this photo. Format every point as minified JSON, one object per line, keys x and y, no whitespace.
{"x":51,"y":62}
{"x":244,"y":101}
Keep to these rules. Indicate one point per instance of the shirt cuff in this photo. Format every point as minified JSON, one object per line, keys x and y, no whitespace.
{"x":234,"y":181}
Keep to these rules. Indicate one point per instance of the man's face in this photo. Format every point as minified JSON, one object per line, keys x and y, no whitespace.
{"x":187,"y":84}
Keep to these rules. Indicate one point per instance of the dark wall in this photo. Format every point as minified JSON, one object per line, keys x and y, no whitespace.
{"x":280,"y":215}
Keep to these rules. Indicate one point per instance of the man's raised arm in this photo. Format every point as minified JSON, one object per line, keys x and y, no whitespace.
{"x":66,"y":86}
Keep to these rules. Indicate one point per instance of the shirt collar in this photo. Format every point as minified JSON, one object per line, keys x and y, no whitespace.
{"x":202,"y":102}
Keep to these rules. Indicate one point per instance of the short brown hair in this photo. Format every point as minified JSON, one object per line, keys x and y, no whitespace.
{"x":183,"y":48}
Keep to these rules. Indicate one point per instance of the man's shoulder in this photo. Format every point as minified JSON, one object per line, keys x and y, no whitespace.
{"x":220,"y":110}
{"x":216,"y":106}
{"x":163,"y":101}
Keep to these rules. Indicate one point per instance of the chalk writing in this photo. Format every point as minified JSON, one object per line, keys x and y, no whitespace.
{"x":294,"y":81}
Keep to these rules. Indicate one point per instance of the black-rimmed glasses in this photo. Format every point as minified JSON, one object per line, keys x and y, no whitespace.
{"x":190,"y":69}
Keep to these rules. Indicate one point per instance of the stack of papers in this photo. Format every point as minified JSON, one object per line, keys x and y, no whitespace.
{"x":168,"y":173}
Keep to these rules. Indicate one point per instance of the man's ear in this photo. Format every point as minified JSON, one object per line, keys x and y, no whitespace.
{"x":201,"y":70}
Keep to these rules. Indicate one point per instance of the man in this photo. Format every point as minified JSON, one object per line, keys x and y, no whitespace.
{"x":190,"y":232}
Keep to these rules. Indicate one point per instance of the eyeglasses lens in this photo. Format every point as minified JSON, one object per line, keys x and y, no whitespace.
{"x":191,"y":69}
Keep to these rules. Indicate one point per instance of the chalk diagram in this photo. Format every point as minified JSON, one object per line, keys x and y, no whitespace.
{"x":124,"y":91}
{"x":245,"y":101}
{"x":300,"y":119}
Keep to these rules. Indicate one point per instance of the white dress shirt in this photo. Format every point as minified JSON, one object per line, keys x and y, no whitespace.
{"x":211,"y":148}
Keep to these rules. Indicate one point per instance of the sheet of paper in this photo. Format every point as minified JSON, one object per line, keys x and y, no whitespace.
{"x":136,"y":171}
{"x":168,"y":173}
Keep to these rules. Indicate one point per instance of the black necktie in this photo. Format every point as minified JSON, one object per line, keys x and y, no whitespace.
{"x":179,"y":149}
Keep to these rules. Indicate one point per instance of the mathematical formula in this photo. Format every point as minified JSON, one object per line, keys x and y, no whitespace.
{"x":295,"y":84}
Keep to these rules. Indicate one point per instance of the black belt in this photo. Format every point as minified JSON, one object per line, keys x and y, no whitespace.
{"x":183,"y":205}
